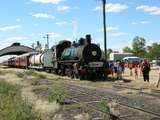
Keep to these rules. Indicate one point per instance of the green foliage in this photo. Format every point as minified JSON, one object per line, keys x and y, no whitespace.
{"x":109,"y":51}
{"x":12,"y":107}
{"x":58,"y":94}
{"x":20,"y":74}
{"x":6,"y":89}
{"x":103,"y":106}
{"x":127,"y":50}
{"x":30,"y":72}
{"x":153,"y":51}
{"x":138,"y":46}
{"x":26,"y":73}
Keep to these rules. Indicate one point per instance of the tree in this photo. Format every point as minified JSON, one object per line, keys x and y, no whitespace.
{"x":127,"y":49}
{"x":138,"y":46}
{"x":109,"y":51}
{"x":154,"y":51}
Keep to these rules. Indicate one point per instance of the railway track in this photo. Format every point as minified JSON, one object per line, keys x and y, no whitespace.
{"x":89,"y":103}
{"x":154,"y":92}
{"x":94,"y":94}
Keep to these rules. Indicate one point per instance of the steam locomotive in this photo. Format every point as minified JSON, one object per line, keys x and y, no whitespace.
{"x":80,"y":60}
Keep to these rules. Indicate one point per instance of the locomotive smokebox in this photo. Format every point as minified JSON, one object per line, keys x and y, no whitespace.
{"x":88,"y":39}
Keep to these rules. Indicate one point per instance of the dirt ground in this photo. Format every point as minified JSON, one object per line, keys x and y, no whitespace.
{"x":55,"y":97}
{"x":139,"y":82}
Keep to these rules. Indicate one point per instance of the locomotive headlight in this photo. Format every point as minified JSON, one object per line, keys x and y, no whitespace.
{"x":94,"y":53}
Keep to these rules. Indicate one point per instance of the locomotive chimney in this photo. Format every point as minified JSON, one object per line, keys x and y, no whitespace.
{"x":81,"y":41}
{"x":88,"y":39}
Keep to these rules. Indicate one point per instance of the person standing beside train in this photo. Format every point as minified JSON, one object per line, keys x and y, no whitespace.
{"x":119,"y":70}
{"x":130,"y":66}
{"x":145,"y":70}
{"x":111,"y":66}
{"x":136,"y":71}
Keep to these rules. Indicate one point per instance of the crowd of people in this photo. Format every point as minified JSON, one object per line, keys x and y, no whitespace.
{"x":117,"y":68}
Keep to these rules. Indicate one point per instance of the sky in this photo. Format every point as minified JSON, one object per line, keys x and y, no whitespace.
{"x":28,"y":21}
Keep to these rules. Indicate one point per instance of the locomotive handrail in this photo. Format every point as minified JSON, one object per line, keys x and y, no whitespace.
{"x":68,"y":61}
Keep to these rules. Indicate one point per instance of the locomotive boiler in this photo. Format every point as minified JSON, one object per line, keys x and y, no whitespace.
{"x":86,"y":53}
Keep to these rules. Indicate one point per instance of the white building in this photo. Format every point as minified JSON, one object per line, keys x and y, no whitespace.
{"x":119,"y":56}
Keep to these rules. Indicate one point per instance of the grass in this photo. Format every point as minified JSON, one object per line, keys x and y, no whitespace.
{"x":58,"y":94}
{"x":12,"y":107}
{"x":26,"y":73}
{"x":81,"y":106}
{"x":2,"y":73}
{"x":6,"y":89}
{"x":30,"y":73}
{"x":102,"y":105}
{"x":20,"y":74}
{"x":35,"y":82}
{"x":42,"y":76}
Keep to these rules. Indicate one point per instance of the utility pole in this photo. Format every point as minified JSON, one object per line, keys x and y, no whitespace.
{"x":104,"y":27}
{"x":48,"y":40}
{"x":47,"y":37}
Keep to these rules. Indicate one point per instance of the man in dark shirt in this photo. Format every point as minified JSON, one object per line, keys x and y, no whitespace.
{"x":145,"y":70}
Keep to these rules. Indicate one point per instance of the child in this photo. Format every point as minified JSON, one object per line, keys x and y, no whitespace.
{"x":136,"y":72}
{"x":130,"y":67}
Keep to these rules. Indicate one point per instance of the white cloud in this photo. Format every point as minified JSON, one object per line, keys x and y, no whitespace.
{"x":63,"y":8}
{"x":141,"y":22}
{"x":109,"y":29}
{"x":117,"y":34}
{"x":18,"y":20}
{"x":145,"y":22}
{"x":20,"y":39}
{"x":48,"y":1}
{"x":16,"y":39}
{"x":51,"y":34}
{"x":134,"y":23}
{"x":113,"y":31}
{"x":119,"y":47}
{"x":54,"y":35}
{"x":97,"y":8}
{"x":8,"y":28}
{"x":152,"y":10}
{"x":61,"y":23}
{"x":43,"y":15}
{"x":110,"y":7}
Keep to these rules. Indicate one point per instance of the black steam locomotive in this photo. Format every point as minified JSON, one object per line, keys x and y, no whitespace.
{"x":81,"y":60}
